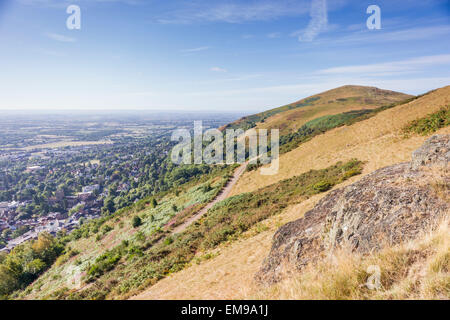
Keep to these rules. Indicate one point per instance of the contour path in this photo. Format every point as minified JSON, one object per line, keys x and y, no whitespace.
{"x":221,"y":196}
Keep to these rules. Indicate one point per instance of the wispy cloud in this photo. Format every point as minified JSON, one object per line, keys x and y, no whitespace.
{"x":299,"y":90}
{"x":59,"y":37}
{"x":195,"y":49}
{"x":396,"y":67}
{"x":318,"y":23}
{"x":232,"y":11}
{"x":274,"y":35}
{"x":404,"y":34}
{"x":218,"y":69}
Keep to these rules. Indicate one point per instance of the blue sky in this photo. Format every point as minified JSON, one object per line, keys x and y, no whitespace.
{"x":214,"y":55}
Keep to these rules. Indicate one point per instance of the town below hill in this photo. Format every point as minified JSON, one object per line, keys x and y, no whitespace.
{"x":57,"y":174}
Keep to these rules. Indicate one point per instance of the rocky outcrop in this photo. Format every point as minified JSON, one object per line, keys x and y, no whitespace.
{"x":435,"y":151}
{"x":389,"y":206}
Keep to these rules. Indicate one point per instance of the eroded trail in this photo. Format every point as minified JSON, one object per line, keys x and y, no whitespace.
{"x":221,"y":196}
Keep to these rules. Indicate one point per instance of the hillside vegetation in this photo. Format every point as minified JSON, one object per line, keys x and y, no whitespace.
{"x":381,"y":237}
{"x":417,"y":269}
{"x":378,"y":140}
{"x":136,"y":263}
{"x":99,"y":245}
{"x":430,"y":123}
{"x":291,"y":117}
{"x":229,"y":273}
{"x":380,"y":210}
{"x":323,"y":124}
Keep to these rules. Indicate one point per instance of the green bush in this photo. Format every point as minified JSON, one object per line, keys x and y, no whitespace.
{"x":136,"y":222}
{"x":140,"y":236}
{"x":27,"y":261}
{"x":168,"y":241}
{"x":353,"y":172}
{"x":106,"y":228}
{"x":207,"y":188}
{"x":322,"y":186}
{"x":104,"y":263}
{"x":430,"y":123}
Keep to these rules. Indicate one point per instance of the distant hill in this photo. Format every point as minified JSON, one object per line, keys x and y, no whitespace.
{"x":377,"y":140}
{"x":291,"y":117}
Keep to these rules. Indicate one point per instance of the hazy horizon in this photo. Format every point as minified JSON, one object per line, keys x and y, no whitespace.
{"x":174,"y":110}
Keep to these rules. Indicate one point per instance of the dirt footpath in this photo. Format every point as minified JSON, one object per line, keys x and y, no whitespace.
{"x":221,"y":196}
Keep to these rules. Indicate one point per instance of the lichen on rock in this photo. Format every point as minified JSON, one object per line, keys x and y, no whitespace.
{"x":387,"y":207}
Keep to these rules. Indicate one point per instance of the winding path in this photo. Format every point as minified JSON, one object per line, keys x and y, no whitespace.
{"x":221,"y":196}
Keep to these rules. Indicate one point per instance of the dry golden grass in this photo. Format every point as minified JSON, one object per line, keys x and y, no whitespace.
{"x":377,"y":140}
{"x":229,"y":275}
{"x":419,"y":269}
{"x":368,"y":98}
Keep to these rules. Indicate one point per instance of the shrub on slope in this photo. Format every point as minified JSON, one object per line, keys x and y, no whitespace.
{"x":225,"y":221}
{"x":429,"y":124}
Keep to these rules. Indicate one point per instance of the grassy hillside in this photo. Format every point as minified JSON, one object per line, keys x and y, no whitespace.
{"x":99,"y":245}
{"x":323,"y":124}
{"x":378,"y":140}
{"x":291,"y":117}
{"x":430,"y":123}
{"x":131,"y":261}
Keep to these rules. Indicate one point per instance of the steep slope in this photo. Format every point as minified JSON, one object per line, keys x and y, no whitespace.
{"x":122,"y":261}
{"x":224,"y":193}
{"x":382,"y":209}
{"x":229,"y":271}
{"x":377,"y":140}
{"x":108,"y":250}
{"x":291,"y":117}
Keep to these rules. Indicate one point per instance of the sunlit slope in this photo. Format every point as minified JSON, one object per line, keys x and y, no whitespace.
{"x":291,"y":117}
{"x":91,"y":245}
{"x":377,"y":140}
{"x":230,"y":274}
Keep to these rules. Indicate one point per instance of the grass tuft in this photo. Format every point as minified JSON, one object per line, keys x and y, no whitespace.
{"x":415,"y":270}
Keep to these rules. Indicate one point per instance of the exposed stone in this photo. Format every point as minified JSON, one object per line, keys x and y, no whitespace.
{"x":435,"y":151}
{"x":386,"y":207}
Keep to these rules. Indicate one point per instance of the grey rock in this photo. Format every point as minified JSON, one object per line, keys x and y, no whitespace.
{"x":389,"y":206}
{"x":435,"y":151}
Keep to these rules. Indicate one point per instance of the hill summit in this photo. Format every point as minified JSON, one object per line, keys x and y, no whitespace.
{"x":292,"y":116}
